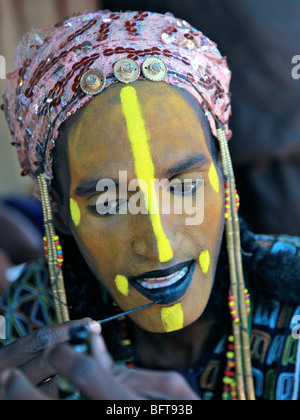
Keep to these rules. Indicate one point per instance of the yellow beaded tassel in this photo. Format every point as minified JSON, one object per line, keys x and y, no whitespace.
{"x":243,"y":371}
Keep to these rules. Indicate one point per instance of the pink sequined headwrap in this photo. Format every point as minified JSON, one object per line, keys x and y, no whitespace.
{"x":44,"y":89}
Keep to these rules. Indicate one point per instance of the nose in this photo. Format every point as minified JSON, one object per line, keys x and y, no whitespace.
{"x":157,"y":243}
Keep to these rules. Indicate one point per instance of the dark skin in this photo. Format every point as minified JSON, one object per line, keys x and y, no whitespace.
{"x":98,"y":378}
{"x":186,"y":348}
{"x":99,"y":238}
{"x":188,"y":340}
{"x":27,"y":355}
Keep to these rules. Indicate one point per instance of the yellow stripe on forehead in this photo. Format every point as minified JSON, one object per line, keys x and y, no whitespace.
{"x":144,"y":168}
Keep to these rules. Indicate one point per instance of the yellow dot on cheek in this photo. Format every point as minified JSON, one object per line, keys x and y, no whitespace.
{"x":122,"y":285}
{"x":213,"y":178}
{"x":75,"y":212}
{"x":172,"y":317}
{"x":204,"y":261}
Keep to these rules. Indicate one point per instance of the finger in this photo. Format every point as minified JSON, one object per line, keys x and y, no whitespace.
{"x":37,"y":370}
{"x":27,"y":348}
{"x":171,"y":386}
{"x":50,"y":387}
{"x":99,"y":352}
{"x":16,"y":387}
{"x":86,"y":375}
{"x":156,"y":385}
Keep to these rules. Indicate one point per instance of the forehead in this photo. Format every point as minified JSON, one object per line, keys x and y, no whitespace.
{"x":98,"y":139}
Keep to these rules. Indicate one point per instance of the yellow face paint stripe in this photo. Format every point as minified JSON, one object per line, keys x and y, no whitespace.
{"x":144,"y":168}
{"x":172,"y":318}
{"x":213,"y":177}
{"x":75,"y":212}
{"x":122,"y":285}
{"x":204,"y":261}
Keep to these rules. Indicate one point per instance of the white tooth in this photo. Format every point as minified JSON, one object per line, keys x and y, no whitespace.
{"x":146,"y":285}
{"x":167,"y":281}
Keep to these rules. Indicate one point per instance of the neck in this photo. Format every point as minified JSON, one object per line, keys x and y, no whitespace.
{"x":179,"y":349}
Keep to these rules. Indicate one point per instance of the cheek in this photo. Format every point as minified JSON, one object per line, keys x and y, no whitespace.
{"x":213,"y":224}
{"x":99,"y":246}
{"x":213,"y":178}
{"x":214,"y":204}
{"x":204,"y":261}
{"x":122,"y":285}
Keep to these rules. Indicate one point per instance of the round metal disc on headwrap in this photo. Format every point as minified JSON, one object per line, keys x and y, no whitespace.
{"x":126,"y":70}
{"x":50,"y":63}
{"x":154,"y":69}
{"x":93,"y":82}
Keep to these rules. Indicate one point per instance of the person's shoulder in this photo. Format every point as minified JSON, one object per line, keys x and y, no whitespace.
{"x":28,"y":303}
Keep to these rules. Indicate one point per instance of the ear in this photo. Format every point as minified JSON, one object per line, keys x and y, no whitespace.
{"x":58,"y":213}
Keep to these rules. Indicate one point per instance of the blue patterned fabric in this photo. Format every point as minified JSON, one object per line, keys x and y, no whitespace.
{"x":28,"y":303}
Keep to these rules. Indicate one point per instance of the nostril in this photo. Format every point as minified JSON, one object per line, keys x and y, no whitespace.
{"x":146,"y":248}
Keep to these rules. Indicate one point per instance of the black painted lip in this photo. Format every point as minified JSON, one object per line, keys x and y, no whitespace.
{"x":169,"y":294}
{"x":161,"y":273}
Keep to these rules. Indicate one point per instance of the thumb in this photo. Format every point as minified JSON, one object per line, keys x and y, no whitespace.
{"x":15,"y":386}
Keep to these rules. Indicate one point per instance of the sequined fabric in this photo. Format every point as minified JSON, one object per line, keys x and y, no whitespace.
{"x":44,"y":89}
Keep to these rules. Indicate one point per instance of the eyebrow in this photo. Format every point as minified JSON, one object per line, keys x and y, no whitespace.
{"x":88,"y":186}
{"x":194,"y":162}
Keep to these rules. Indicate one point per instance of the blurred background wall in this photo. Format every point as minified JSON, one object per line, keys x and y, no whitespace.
{"x":260,"y":39}
{"x":16,"y":18}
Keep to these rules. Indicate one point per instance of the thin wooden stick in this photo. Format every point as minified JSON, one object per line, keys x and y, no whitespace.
{"x":111,"y":318}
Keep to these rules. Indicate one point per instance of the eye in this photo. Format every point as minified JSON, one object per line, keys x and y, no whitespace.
{"x":107,"y":208}
{"x":184,"y":187}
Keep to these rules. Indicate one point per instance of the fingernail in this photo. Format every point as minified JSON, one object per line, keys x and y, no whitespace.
{"x":95,"y":327}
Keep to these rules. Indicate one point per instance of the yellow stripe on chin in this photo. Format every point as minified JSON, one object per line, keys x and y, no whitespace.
{"x":144,"y":167}
{"x":172,"y":317}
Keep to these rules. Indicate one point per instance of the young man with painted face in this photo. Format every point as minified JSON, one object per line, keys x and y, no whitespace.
{"x":126,"y":94}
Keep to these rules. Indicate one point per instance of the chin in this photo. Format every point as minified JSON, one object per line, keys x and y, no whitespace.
{"x":170,"y":318}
